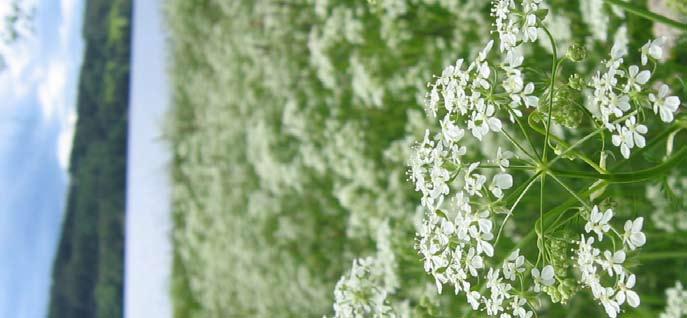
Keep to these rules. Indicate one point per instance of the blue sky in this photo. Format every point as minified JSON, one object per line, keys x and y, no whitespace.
{"x":37,"y":116}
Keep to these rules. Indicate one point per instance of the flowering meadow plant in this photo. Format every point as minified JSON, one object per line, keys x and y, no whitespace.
{"x":469,"y":196}
{"x":539,"y":173}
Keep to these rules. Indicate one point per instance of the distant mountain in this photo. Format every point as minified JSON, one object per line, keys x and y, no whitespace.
{"x":88,"y":269}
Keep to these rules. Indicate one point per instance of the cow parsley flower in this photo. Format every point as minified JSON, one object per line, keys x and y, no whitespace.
{"x":625,"y":292}
{"x":501,"y":181}
{"x":545,"y":277}
{"x":612,"y":262}
{"x":635,"y":79}
{"x":663,"y":104}
{"x":514,"y":264}
{"x":598,"y":222}
{"x":634,"y":237}
{"x":653,"y":49}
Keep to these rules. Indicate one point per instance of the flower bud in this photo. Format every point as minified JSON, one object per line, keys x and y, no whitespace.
{"x":576,"y":82}
{"x":576,"y":52}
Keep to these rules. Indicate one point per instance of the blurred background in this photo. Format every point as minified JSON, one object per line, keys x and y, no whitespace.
{"x":177,"y":158}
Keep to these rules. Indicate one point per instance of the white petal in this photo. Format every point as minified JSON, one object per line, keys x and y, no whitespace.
{"x":672,"y":102}
{"x":638,"y":239}
{"x":503,"y":180}
{"x":637,"y":224}
{"x":625,"y":151}
{"x":620,"y":297}
{"x":666,"y":115}
{"x":634,"y":69}
{"x":632,"y":298}
{"x":631,"y":281}
{"x":643,"y":77}
{"x":547,"y":273}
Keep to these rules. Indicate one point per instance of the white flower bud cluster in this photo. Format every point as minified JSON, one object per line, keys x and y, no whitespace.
{"x":616,"y":91}
{"x":596,"y":266}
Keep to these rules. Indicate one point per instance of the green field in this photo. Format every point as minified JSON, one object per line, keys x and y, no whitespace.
{"x":292,"y":126}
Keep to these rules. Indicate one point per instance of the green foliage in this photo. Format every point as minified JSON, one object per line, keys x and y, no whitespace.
{"x":88,"y":270}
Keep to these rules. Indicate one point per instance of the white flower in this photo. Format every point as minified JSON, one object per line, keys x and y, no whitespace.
{"x":625,"y":291}
{"x":501,"y":181}
{"x":517,"y":305}
{"x":633,"y":236}
{"x":637,"y":131}
{"x":623,"y":139}
{"x":629,"y":135}
{"x":635,"y":79}
{"x":473,"y":299}
{"x":665,"y":105}
{"x":513,"y":265}
{"x":473,"y":181}
{"x":619,"y":104}
{"x":611,"y":306}
{"x":525,"y":96}
{"x":483,"y":245}
{"x":450,"y":131}
{"x":473,"y":262}
{"x":598,"y":222}
{"x":653,"y":49}
{"x":546,"y":277}
{"x":503,"y":158}
{"x":613,"y":262}
{"x":586,"y":257}
{"x":483,"y":120}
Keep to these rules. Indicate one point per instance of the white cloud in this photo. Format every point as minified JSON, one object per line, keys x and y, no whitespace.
{"x":65,"y":139}
{"x":50,"y":80}
{"x":68,"y":13}
{"x":57,"y":107}
{"x":52,"y":90}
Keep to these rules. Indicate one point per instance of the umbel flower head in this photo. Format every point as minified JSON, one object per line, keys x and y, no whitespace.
{"x":467,"y":201}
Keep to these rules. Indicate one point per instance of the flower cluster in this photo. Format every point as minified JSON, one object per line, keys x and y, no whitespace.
{"x":676,"y":306}
{"x":455,"y":238}
{"x":670,"y":203}
{"x":359,"y":293}
{"x":454,"y":249}
{"x":619,"y":93}
{"x":514,"y":26}
{"x":597,"y":267}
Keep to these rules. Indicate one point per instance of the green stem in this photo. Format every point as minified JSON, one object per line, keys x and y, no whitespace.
{"x":517,"y":145}
{"x":631,"y":8}
{"x":590,"y":135}
{"x":567,"y":188}
{"x":629,"y":177}
{"x":554,"y":70}
{"x":530,"y":182}
{"x":565,"y":145}
{"x":527,"y":136}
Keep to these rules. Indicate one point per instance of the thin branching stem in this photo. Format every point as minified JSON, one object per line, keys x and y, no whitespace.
{"x":554,"y":70}
{"x":631,"y":8}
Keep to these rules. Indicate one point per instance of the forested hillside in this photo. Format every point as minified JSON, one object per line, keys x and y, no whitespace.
{"x":89,"y":265}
